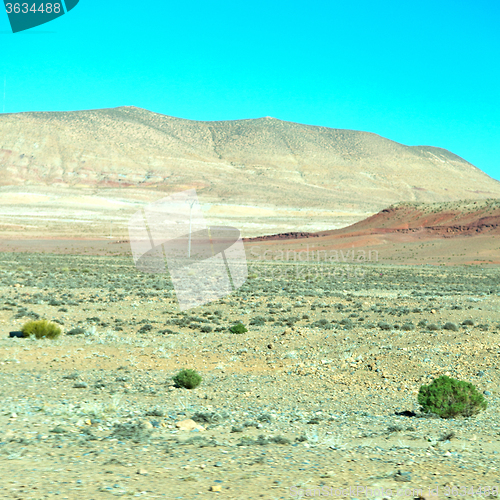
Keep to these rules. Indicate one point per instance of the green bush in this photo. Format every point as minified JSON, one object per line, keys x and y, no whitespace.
{"x":238,"y":328}
{"x":449,"y":397}
{"x":41,"y":328}
{"x":189,"y":379}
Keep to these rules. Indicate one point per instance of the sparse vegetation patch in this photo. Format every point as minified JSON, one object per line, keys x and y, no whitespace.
{"x":41,"y":329}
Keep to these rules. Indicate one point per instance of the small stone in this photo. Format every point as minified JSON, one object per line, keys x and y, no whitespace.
{"x":189,"y":425}
{"x":142,"y":472}
{"x":487,"y":393}
{"x":76,"y":331}
{"x":59,"y":429}
{"x":216,"y":487}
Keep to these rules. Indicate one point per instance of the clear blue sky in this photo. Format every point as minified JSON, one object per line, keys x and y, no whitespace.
{"x":420,"y":73}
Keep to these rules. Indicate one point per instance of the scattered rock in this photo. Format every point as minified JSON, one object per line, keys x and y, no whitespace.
{"x":189,"y":425}
{"x":76,"y":331}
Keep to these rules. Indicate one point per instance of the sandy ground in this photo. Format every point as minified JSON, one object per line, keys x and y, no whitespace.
{"x":46,"y":212}
{"x":317,"y":394}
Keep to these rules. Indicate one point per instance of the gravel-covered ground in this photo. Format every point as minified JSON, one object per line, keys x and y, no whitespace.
{"x":321,"y":392}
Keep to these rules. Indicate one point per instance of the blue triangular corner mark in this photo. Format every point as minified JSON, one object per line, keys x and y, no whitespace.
{"x":71,"y":4}
{"x":35,"y":13}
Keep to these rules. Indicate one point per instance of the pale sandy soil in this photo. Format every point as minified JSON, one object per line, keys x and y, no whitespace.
{"x":289,"y":404}
{"x":48,"y":212}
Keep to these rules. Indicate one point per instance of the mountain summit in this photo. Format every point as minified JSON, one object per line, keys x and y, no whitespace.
{"x":262,"y":162}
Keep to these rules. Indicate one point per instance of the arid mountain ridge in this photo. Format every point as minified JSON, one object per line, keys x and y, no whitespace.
{"x":462,"y":218}
{"x":451,"y":233}
{"x":265,"y":161}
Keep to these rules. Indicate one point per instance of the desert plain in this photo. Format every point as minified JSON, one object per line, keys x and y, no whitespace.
{"x":318,"y":396}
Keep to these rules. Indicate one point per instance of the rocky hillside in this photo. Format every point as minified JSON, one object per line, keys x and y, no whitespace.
{"x":265,"y":161}
{"x":451,"y":233}
{"x":461,"y":218}
{"x":467,"y":217}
